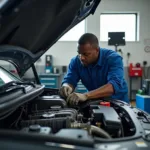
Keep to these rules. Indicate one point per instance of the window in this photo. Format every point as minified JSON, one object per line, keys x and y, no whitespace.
{"x":9,"y":67}
{"x":118,"y":23}
{"x":6,"y":77}
{"x":75,"y":33}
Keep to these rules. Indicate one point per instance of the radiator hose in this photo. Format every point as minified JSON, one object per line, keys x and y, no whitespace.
{"x":93,"y":130}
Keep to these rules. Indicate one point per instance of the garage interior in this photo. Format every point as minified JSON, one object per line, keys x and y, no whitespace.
{"x":100,"y":99}
{"x":130,"y":19}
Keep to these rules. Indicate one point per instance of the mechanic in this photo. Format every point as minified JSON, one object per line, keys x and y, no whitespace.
{"x":100,"y":70}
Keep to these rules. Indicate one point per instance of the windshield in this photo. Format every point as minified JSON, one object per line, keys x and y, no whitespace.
{"x":6,"y":77}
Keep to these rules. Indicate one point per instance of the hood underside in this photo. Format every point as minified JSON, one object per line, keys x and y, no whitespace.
{"x":28,"y":28}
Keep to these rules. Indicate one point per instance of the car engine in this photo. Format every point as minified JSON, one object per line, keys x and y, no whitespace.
{"x":48,"y":113}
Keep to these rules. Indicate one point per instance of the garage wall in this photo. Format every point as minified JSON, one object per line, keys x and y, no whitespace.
{"x":63,"y":51}
{"x":149,"y":18}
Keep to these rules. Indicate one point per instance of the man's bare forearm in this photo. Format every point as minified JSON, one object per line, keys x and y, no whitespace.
{"x":104,"y":91}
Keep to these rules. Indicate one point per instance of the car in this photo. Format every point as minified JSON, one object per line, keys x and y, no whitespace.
{"x":32,"y":116}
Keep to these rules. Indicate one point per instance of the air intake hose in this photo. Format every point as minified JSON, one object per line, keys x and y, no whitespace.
{"x":93,"y":130}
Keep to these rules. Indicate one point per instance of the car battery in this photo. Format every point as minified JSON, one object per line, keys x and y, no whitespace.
{"x":109,"y":117}
{"x":143,"y":102}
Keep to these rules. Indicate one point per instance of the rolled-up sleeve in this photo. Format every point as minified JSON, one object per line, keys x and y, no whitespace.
{"x":72,"y":76}
{"x":116,"y":73}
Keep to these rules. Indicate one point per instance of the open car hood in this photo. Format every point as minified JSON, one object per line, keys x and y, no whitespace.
{"x":28,"y":28}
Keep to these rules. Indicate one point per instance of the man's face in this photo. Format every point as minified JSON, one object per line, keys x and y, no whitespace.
{"x":87,"y":54}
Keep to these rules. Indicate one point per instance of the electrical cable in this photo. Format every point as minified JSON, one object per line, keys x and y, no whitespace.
{"x":7,"y":114}
{"x":148,"y":70}
{"x":17,"y":120}
{"x":128,"y":61}
{"x":144,"y":72}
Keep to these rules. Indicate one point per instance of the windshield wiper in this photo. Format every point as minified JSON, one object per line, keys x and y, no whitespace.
{"x":14,"y":85}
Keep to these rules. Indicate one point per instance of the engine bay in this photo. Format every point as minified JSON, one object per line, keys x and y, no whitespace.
{"x":47,"y":113}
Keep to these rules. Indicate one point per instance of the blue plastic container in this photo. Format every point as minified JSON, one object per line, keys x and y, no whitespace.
{"x":143,"y":102}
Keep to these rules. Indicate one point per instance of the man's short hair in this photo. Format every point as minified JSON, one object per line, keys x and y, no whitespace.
{"x":89,"y":38}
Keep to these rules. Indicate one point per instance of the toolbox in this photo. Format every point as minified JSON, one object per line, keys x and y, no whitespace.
{"x":49,"y":80}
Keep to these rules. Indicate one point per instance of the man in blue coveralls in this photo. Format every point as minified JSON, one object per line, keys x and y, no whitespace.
{"x":100,"y":70}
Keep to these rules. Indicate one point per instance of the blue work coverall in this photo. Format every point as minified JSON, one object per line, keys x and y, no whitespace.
{"x":108,"y":69}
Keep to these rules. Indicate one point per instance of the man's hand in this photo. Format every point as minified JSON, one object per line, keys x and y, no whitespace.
{"x":65,"y":90}
{"x":74,"y":98}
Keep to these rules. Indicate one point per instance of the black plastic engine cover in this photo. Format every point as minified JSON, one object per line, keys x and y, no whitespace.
{"x":56,"y":119}
{"x":48,"y":102}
